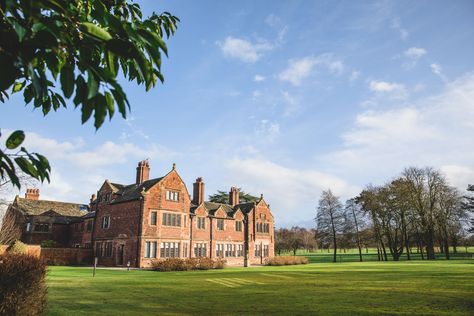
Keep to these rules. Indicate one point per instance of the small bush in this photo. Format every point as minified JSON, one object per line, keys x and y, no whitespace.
{"x":18,"y":247}
{"x":48,"y":244}
{"x":176,"y":264}
{"x":23,"y":288}
{"x":219,"y":263}
{"x":285,"y":261}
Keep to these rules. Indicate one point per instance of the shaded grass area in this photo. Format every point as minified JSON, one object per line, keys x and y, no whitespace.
{"x":423,"y":288}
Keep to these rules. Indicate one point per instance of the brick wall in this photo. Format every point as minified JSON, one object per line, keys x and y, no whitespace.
{"x":58,"y":256}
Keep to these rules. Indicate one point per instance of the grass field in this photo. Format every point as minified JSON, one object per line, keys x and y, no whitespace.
{"x":352,"y":255}
{"x":417,"y":287}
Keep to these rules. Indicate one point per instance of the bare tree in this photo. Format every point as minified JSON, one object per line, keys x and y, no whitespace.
{"x":329,"y":217}
{"x":353,"y":210}
{"x":424,"y":189}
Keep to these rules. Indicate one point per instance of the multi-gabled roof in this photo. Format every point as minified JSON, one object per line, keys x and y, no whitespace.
{"x":212,"y":207}
{"x":132,"y":191}
{"x":49,"y":208}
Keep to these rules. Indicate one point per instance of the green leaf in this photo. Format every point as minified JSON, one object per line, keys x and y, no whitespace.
{"x":81,"y":90}
{"x":9,"y":72}
{"x":15,"y":139}
{"x":87,"y":107}
{"x":17,"y":86}
{"x":92,"y":86}
{"x":100,"y":111}
{"x":109,"y":99}
{"x":26,"y":166}
{"x":95,"y":31}
{"x":28,"y":93}
{"x":67,"y":80}
{"x":20,"y":30}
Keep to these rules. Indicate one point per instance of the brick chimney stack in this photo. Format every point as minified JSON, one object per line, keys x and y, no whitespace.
{"x":32,"y":194}
{"x":143,"y":171}
{"x":198,"y":191}
{"x":233,"y":196}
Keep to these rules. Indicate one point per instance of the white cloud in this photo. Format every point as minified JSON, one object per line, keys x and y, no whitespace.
{"x":415,"y":52}
{"x":244,"y":50}
{"x":395,"y":90}
{"x":300,"y":69}
{"x":437,"y":70}
{"x":435,"y":131}
{"x":354,"y":75}
{"x":292,"y":192}
{"x":291,"y":105}
{"x":77,"y":171}
{"x":258,"y":78}
{"x":268,"y":130}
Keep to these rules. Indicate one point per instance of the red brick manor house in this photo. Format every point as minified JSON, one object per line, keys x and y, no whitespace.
{"x":149,"y":220}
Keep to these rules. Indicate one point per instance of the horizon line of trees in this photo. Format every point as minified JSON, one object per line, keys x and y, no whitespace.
{"x":418,"y":209}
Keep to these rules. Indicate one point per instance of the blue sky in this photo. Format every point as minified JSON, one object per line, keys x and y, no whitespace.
{"x":284,"y":98}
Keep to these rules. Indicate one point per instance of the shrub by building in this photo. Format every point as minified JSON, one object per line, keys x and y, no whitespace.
{"x":23,"y":288}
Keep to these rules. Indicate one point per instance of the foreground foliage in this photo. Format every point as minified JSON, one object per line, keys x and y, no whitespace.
{"x":51,"y":51}
{"x":375,"y":288}
{"x":23,"y":288}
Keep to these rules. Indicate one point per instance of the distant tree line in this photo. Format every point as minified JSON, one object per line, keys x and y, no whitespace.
{"x":418,"y":209}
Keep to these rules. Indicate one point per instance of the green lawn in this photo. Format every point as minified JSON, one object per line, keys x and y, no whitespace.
{"x":352,"y":255}
{"x":417,"y":287}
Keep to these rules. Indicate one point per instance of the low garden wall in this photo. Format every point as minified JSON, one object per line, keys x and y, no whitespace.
{"x":58,"y":256}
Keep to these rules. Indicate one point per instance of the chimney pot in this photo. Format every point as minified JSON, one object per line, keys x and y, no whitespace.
{"x":32,"y":194}
{"x":233,"y":196}
{"x":143,"y":171}
{"x":198,"y":191}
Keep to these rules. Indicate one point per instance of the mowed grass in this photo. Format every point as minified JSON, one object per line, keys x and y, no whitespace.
{"x":352,"y":255}
{"x":417,"y":287}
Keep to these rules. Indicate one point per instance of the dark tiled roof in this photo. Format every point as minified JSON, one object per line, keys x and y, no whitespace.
{"x":212,"y":207}
{"x":246,"y":207}
{"x":132,"y":191}
{"x":38,"y":207}
{"x":89,"y":215}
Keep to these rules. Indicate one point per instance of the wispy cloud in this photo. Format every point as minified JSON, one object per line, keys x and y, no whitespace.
{"x":300,"y":69}
{"x":258,"y":78}
{"x":437,"y":70}
{"x":243,"y":49}
{"x":394,"y":90}
{"x":397,"y":25}
{"x":415,"y":52}
{"x":268,"y":130}
{"x":381,"y":143}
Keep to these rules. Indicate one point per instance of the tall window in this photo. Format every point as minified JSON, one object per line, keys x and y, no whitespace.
{"x":105,"y":222}
{"x":220,"y":224}
{"x":258,"y":250}
{"x":230,"y":250}
{"x":219,"y":250}
{"x":172,"y":196}
{"x":263,"y":227}
{"x":240,"y":250}
{"x":150,"y":249}
{"x":108,"y":249}
{"x":201,"y":223}
{"x":169,"y":250}
{"x":238,"y":226}
{"x":200,"y":250}
{"x":153,"y":218}
{"x":170,"y":219}
{"x":265,"y":251}
{"x":185,"y":249}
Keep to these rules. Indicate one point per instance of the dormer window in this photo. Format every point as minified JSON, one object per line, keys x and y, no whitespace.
{"x":172,"y":196}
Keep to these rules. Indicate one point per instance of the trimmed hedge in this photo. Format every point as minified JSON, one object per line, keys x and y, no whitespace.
{"x":176,"y":264}
{"x":23,"y":288}
{"x":285,"y":261}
